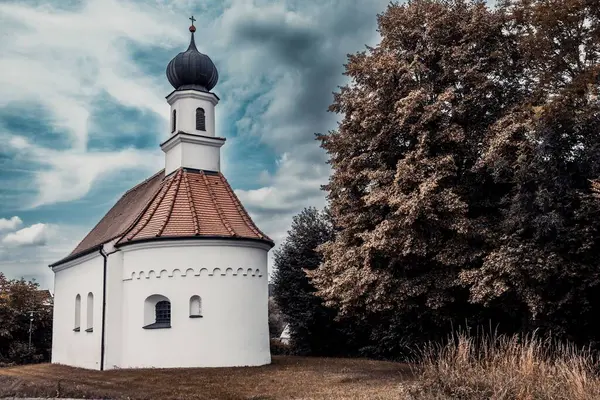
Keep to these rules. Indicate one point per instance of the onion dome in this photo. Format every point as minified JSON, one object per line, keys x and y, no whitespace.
{"x":192,"y":69}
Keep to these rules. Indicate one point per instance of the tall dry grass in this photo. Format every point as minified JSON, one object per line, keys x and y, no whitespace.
{"x":500,"y":367}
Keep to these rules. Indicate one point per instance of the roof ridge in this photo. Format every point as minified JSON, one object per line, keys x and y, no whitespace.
{"x":216,"y":204}
{"x":192,"y":206}
{"x":152,"y":213}
{"x":145,"y":181}
{"x":242,"y":210}
{"x":178,"y":178}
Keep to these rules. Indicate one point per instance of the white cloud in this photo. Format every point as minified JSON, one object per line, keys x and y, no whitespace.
{"x":62,"y":59}
{"x":69,"y":175}
{"x":19,"y":261}
{"x":10,"y":224}
{"x":34,"y":235}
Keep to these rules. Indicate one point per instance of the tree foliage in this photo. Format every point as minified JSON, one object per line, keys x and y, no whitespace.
{"x":542,"y":155}
{"x":276,"y":322}
{"x":17,"y":299}
{"x":313,"y":329}
{"x":461,"y":170}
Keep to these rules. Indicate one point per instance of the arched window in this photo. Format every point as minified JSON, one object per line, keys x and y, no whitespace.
{"x":163,"y":312}
{"x":157,"y":312}
{"x":195,"y":307}
{"x":174,"y":121}
{"x":90,"y":313}
{"x":200,"y":119}
{"x":77,"y":326}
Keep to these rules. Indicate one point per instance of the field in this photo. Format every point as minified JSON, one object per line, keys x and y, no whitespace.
{"x":286,"y":378}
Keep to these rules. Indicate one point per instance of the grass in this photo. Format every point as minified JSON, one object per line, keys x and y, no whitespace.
{"x":467,"y":368}
{"x":286,"y":378}
{"x":502,"y":368}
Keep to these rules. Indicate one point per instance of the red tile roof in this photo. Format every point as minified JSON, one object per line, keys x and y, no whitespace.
{"x":122,"y":215}
{"x":194,"y":204}
{"x":187,"y":203}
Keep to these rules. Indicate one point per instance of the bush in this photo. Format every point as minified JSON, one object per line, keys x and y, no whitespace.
{"x":276,"y":323}
{"x":505,"y":367}
{"x":279,"y":348}
{"x":21,"y":353}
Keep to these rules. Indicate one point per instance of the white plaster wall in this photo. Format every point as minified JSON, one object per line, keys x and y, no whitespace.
{"x":231,"y":279}
{"x":114,"y":309}
{"x":186,"y":104}
{"x":173,"y":159}
{"x":201,"y":156}
{"x":79,"y":349}
{"x":192,"y":155}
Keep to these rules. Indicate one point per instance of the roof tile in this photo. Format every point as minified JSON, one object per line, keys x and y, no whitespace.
{"x":186,"y":203}
{"x":193,"y":203}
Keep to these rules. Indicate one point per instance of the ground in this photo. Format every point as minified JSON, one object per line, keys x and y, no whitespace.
{"x":286,"y":378}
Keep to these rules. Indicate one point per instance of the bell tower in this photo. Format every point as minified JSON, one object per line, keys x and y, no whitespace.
{"x":192,"y":141}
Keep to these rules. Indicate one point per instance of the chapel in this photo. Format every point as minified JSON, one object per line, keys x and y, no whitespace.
{"x":175,"y":274}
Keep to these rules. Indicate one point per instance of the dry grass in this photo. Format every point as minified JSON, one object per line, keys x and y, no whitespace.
{"x":468,"y":368}
{"x":499,"y":368}
{"x":286,"y":378}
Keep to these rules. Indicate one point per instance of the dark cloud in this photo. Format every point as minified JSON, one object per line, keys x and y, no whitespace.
{"x":307,"y":48}
{"x":301,"y":49}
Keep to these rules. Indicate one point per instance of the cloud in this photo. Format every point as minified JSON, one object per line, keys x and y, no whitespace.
{"x":20,"y":261}
{"x":58,"y":61}
{"x":288,"y":60}
{"x":34,"y":235}
{"x":69,"y":175}
{"x":10,"y":224}
{"x":73,"y":55}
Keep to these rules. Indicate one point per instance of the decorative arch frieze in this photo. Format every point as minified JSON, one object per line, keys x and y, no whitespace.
{"x":189,"y":272}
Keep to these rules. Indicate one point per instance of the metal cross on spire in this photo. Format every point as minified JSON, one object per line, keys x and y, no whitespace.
{"x":192,"y":19}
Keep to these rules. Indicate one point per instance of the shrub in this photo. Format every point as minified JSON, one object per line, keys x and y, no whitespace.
{"x":22,"y":353}
{"x":279,"y":348}
{"x":505,"y":367}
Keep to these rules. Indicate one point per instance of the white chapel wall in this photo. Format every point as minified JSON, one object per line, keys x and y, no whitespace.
{"x":80,"y":349}
{"x":232,"y":284}
{"x":114,"y":309}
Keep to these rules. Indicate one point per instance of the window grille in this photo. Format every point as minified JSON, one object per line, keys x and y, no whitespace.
{"x":163,"y":312}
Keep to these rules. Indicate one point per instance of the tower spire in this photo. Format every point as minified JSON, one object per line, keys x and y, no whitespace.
{"x":192,"y":45}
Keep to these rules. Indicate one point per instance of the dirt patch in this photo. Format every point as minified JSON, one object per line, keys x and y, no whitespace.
{"x":286,"y":378}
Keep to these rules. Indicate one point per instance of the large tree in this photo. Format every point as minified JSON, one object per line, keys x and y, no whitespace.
{"x":542,"y":155}
{"x":461,"y":169}
{"x":403,"y":192}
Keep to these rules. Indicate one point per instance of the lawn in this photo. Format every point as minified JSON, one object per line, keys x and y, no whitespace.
{"x":286,"y":378}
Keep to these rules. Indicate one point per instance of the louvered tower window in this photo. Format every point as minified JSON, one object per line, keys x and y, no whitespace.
{"x":174,"y":121}
{"x":200,"y":120}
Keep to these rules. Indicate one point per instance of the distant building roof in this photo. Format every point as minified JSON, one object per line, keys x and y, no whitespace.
{"x":285,"y":335}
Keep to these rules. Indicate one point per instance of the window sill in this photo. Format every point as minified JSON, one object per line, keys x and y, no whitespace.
{"x":196,"y":316}
{"x":89,"y":330}
{"x":158,"y":325}
{"x":76,"y":329}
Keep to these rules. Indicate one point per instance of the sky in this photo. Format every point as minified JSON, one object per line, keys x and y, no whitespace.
{"x":83,"y":110}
